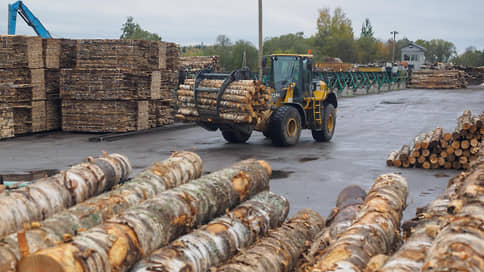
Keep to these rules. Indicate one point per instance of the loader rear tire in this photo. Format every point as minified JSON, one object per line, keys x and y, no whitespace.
{"x":235,"y":136}
{"x":285,"y":126}
{"x":328,"y":126}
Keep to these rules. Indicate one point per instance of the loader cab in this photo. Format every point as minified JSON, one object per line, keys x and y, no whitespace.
{"x":283,"y":70}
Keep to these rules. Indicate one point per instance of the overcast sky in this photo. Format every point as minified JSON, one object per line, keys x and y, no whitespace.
{"x":191,"y":22}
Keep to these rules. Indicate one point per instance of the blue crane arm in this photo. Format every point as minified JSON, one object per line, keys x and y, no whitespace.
{"x":28,"y":16}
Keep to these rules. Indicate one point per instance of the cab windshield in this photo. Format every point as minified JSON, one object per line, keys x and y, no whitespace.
{"x":286,"y":70}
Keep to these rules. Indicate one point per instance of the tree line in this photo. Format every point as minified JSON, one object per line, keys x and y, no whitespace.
{"x":334,"y":38}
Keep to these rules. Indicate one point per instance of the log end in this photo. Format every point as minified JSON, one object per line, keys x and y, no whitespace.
{"x":266,"y":166}
{"x":51,"y":260}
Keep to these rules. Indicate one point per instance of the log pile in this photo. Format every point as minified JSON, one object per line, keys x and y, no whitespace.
{"x":133,"y":81}
{"x":179,"y":169}
{"x":438,"y":79}
{"x":220,"y":239}
{"x":440,"y":149}
{"x":242,"y":102}
{"x":46,"y":196}
{"x":121,"y":241}
{"x":374,"y":230}
{"x":6,"y":122}
{"x":198,"y":63}
{"x":447,"y":234}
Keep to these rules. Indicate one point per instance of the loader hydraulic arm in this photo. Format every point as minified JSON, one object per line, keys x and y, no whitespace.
{"x":29,"y":18}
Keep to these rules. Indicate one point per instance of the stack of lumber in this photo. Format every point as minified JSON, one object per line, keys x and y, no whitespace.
{"x":198,"y":63}
{"x":242,"y":102}
{"x":6,"y":122}
{"x":438,"y":149}
{"x":438,"y":79}
{"x":119,"y":85}
{"x":446,"y":235}
{"x":179,"y":169}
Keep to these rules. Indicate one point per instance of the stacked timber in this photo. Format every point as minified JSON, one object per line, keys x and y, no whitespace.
{"x":179,"y":169}
{"x":46,"y":196}
{"x":59,"y":53}
{"x":119,"y":85}
{"x":7,"y":129}
{"x":121,"y":241}
{"x":439,"y":149}
{"x":438,"y":79}
{"x":243,"y":101}
{"x":447,"y":234}
{"x":198,"y":63}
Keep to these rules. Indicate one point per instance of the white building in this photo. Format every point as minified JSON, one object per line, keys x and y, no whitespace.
{"x":414,"y":55}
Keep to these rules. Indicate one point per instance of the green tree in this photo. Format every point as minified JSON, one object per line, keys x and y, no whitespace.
{"x":471,"y":57}
{"x":239,"y":49}
{"x":438,"y":50}
{"x":334,"y":37}
{"x":367,"y":29}
{"x":133,"y":31}
{"x":293,"y":43}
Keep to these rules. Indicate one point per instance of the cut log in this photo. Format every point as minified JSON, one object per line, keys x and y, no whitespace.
{"x":200,"y":250}
{"x":404,"y":153}
{"x":348,"y":205}
{"x":374,"y":231}
{"x":435,"y":138}
{"x":392,"y":157}
{"x":48,"y":196}
{"x":417,"y":143}
{"x":155,"y":222}
{"x":280,"y":250}
{"x":426,"y":141}
{"x":179,"y":169}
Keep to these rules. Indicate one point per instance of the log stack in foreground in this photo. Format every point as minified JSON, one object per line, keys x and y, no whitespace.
{"x":47,"y":196}
{"x":440,"y":149}
{"x":122,"y":241}
{"x":222,"y":238}
{"x":374,"y":231}
{"x":438,"y":79}
{"x":179,"y":169}
{"x":119,"y":85}
{"x":242,"y":102}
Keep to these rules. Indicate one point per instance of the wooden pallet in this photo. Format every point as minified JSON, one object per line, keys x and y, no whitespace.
{"x":22,"y":84}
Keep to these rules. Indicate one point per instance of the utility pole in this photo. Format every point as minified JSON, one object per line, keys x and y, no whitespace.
{"x":394,"y":33}
{"x":260,"y":40}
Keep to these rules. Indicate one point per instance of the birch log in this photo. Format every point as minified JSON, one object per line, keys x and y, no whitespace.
{"x":179,"y":169}
{"x":220,"y":239}
{"x":347,"y":207}
{"x":421,"y":231}
{"x":460,"y":244}
{"x":280,"y":250}
{"x":47,"y":196}
{"x":374,"y":231}
{"x":123,"y":240}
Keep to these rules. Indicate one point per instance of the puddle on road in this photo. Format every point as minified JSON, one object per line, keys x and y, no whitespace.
{"x":280,"y":174}
{"x":29,"y":176}
{"x":393,"y":102}
{"x":308,"y":159}
{"x":441,"y":175}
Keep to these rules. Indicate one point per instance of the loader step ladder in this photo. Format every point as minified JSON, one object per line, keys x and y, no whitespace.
{"x":317,"y":112}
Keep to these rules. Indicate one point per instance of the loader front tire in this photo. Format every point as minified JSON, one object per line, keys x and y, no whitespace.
{"x":285,"y":126}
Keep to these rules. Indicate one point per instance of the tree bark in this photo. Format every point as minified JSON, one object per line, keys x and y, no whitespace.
{"x":122,"y":241}
{"x":47,"y":196}
{"x":374,"y":231}
{"x":348,"y":205}
{"x":179,"y":169}
{"x":392,"y":158}
{"x":222,"y":238}
{"x":280,"y":250}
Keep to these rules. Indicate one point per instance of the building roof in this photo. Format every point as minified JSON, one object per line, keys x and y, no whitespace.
{"x":410,"y":45}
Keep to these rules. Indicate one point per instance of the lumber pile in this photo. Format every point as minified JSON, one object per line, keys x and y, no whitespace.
{"x":6,"y":122}
{"x":242,"y":102}
{"x":119,"y":85}
{"x":46,"y":196}
{"x":440,"y":149}
{"x":179,"y":169}
{"x":198,"y":63}
{"x":438,"y":79}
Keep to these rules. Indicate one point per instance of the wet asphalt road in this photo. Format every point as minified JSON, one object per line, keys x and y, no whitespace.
{"x":310,"y":174}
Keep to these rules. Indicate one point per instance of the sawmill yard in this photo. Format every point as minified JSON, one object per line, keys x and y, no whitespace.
{"x":309,"y":174}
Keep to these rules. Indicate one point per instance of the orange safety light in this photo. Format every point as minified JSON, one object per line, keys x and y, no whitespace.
{"x":310,"y":51}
